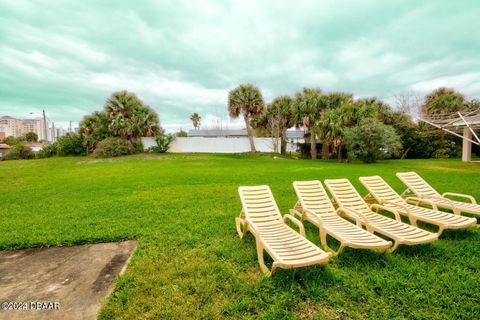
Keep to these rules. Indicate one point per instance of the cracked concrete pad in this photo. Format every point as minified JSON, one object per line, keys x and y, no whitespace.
{"x":72,"y":282}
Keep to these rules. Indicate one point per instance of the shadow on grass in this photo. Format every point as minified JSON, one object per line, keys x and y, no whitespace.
{"x":458,"y":235}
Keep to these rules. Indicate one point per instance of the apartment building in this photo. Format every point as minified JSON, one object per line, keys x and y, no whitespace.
{"x":10,"y":126}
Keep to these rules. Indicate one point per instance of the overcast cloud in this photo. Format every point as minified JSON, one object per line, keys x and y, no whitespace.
{"x":182,"y":57}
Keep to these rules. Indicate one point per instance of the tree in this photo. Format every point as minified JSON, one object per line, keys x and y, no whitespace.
{"x":309,"y":106}
{"x":330,"y":127}
{"x":280,"y":113}
{"x":31,"y":137}
{"x":246,"y":100}
{"x":129,"y":118}
{"x":371,"y":140}
{"x":443,"y":100}
{"x":70,"y":145}
{"x":93,"y":129}
{"x":195,"y":120}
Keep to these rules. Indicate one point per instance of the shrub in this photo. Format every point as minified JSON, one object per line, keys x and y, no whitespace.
{"x":138,"y":147}
{"x":48,"y":151}
{"x":113,"y":147}
{"x":70,"y":145}
{"x":163,"y":142}
{"x":372,"y":140}
{"x":31,"y":137}
{"x":19,"y":151}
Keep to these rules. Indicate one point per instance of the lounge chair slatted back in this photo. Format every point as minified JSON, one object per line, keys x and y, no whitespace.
{"x":346,"y":195}
{"x":417,"y":185}
{"x":313,"y":196}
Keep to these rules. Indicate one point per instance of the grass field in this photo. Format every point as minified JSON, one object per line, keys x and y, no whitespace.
{"x":191,"y":264}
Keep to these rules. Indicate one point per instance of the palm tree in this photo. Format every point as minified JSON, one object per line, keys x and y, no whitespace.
{"x":309,"y":106}
{"x":247,"y":100}
{"x":195,"y":120}
{"x":281,"y":109}
{"x":330,"y":128}
{"x":129,"y":117}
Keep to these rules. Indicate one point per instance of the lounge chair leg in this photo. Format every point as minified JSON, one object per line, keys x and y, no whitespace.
{"x":261,"y":262}
{"x":342,"y":246}
{"x":395,"y":246}
{"x":440,"y":230}
{"x":240,"y":224}
{"x":413,"y":222}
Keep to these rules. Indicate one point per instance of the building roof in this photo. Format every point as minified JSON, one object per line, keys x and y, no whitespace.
{"x":6,"y":117}
{"x":217,"y":133}
{"x":4,"y":146}
{"x":295,"y":134}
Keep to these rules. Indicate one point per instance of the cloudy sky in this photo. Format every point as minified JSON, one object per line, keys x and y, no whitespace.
{"x":182,"y":57}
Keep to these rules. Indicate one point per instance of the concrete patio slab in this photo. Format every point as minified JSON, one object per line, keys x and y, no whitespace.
{"x":60,"y":282}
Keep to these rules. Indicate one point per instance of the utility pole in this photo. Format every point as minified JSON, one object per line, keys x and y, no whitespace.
{"x":45,"y":127}
{"x":53,"y":131}
{"x":70,"y":126}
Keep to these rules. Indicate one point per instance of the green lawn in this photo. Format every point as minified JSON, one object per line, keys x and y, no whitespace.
{"x":191,"y":264}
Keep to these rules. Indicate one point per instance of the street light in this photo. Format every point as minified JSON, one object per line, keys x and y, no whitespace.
{"x":44,"y":126}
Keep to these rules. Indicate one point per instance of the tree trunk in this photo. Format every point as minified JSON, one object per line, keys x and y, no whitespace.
{"x":339,"y":153}
{"x":250,"y":133}
{"x":325,"y":151}
{"x":283,"y":146}
{"x":313,"y":143}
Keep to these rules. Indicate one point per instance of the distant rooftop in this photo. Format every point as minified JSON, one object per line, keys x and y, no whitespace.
{"x":291,"y":134}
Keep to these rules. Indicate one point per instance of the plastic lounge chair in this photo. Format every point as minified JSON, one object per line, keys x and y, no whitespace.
{"x":386,"y":196}
{"x":354,"y":206}
{"x":425,"y":194}
{"x":289,"y":249}
{"x":314,"y":206}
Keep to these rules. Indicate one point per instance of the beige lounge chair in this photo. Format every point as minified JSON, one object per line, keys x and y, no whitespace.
{"x":354,"y":206}
{"x":289,"y":249}
{"x":314,"y":206}
{"x":385,"y":195}
{"x":425,"y":194}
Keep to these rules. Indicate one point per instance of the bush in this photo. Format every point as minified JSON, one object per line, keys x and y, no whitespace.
{"x":113,"y":147}
{"x":163,"y":141}
{"x":70,"y":145}
{"x":48,"y":151}
{"x":19,"y":151}
{"x":372,"y":140}
{"x":138,"y":147}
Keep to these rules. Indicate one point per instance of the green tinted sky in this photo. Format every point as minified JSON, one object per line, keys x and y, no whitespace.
{"x":183,"y":56}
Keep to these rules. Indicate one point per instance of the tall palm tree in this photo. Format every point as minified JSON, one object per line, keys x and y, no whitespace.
{"x":246,"y":100}
{"x":195,"y":120}
{"x":281,"y":108}
{"x":309,"y":106}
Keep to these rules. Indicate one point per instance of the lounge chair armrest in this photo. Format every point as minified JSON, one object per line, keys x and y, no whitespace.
{"x":358,"y":216}
{"x":407,"y":211}
{"x":461,"y":195}
{"x":315,"y":215}
{"x":297,"y":222}
{"x":423,"y":200}
{"x":395,"y":212}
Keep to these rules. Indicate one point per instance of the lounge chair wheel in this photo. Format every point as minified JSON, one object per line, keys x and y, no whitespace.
{"x":240,"y":224}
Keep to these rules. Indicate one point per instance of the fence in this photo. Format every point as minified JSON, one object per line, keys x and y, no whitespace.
{"x":217,"y":144}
